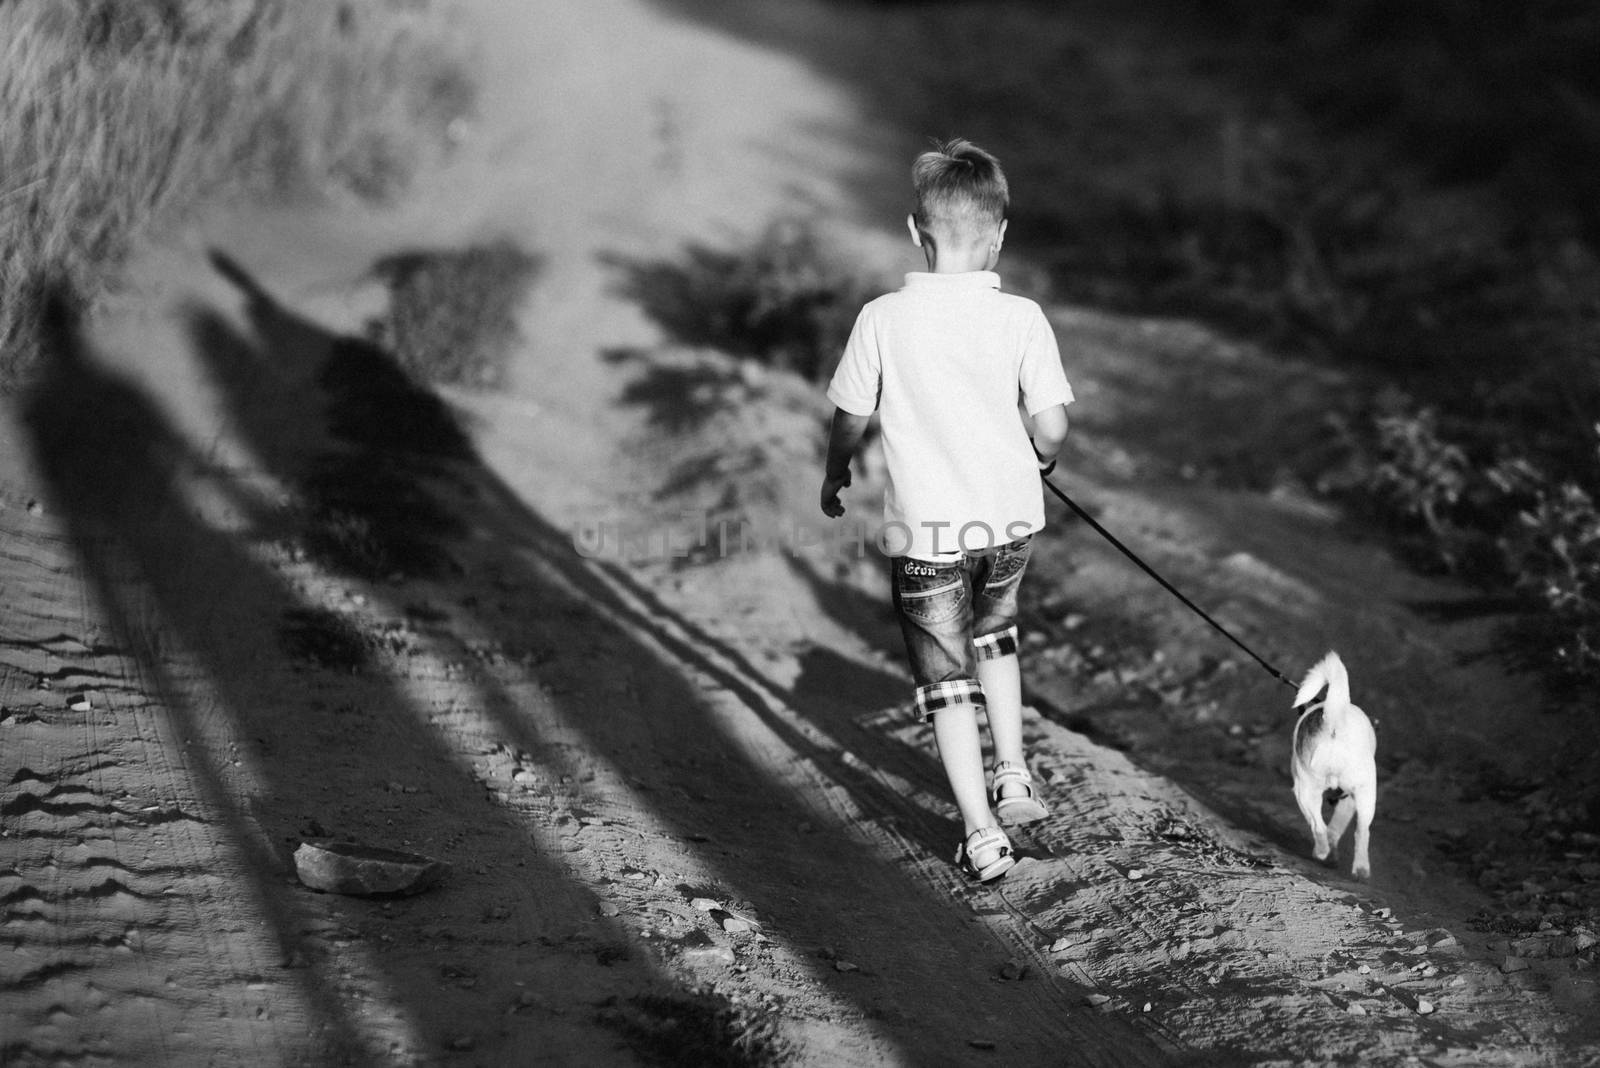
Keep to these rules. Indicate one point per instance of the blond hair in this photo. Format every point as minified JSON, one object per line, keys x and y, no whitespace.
{"x":959,"y":189}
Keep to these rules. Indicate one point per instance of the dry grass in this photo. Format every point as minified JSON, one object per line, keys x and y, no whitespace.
{"x":117,"y":115}
{"x":452,"y":313}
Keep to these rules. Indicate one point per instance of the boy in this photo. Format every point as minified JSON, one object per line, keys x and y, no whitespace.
{"x":944,"y":362}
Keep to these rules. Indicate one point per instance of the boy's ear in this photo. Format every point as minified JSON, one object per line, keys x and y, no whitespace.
{"x":1000,"y":235}
{"x":911,"y":224}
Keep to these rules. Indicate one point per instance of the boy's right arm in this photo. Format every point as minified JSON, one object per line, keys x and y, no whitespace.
{"x":843,"y":439}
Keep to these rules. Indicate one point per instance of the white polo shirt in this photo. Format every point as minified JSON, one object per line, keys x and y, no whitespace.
{"x":946,"y":361}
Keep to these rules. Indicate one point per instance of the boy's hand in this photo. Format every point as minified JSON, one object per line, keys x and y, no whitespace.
{"x":831,"y":507}
{"x":844,"y":437}
{"x":1046,"y":464}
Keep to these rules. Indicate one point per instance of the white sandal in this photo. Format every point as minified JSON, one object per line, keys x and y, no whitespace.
{"x":1023,"y":807}
{"x":986,"y":854}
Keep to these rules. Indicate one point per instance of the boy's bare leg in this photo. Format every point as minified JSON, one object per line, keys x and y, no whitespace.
{"x":955,"y":728}
{"x":1001,"y":679}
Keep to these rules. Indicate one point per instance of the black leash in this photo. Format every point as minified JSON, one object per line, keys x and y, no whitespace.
{"x":1169,"y":587}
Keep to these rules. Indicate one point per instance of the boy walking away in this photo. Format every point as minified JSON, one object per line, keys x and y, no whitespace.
{"x":971,"y":400}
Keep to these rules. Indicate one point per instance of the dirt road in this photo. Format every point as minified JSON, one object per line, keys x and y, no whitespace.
{"x":258,"y":589}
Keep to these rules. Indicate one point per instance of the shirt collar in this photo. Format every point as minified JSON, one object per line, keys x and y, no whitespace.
{"x":962,"y":280}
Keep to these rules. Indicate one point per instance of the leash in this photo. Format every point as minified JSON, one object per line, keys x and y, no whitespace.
{"x":1169,"y":587}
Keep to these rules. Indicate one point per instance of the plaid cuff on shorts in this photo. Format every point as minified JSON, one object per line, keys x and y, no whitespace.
{"x":994,"y":646}
{"x":950,"y":692}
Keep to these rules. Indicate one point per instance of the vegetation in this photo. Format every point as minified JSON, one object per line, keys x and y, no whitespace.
{"x":786,"y":299}
{"x":451,"y":316}
{"x":1512,"y":527}
{"x":117,"y":114}
{"x":1463,"y":236}
{"x":1553,"y":553}
{"x":697,"y":1030}
{"x":1402,"y":189}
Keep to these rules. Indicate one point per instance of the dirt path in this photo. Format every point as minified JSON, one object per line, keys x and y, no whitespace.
{"x":258,"y":591}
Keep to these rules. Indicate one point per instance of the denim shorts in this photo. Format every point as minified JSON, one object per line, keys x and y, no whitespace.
{"x":954,"y":614}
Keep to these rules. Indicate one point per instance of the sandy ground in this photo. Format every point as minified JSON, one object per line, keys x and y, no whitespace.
{"x":686,"y":818}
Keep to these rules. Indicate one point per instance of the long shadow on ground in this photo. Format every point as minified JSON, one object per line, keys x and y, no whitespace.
{"x":592,"y":622}
{"x":386,"y":463}
{"x":123,"y":477}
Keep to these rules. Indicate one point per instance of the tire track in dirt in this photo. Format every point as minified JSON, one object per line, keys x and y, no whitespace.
{"x":112,"y":860}
{"x":262,"y":748}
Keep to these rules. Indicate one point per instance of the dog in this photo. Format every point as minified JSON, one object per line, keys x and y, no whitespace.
{"x":1335,"y":748}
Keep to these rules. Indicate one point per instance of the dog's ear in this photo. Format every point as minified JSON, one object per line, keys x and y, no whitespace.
{"x":1320,"y":695}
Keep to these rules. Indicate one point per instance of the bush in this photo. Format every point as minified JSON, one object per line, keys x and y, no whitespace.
{"x":452,"y":314}
{"x":1421,"y":474}
{"x":1553,"y":550}
{"x":1510,"y":526}
{"x":118,"y":114}
{"x":785,"y":300}
{"x":1422,"y":478}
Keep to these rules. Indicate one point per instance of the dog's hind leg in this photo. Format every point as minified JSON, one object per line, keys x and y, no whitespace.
{"x":1344,"y":809}
{"x":1366,"y":805}
{"x":1309,"y":797}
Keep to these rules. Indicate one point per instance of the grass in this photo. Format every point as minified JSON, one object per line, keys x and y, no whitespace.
{"x":120,"y":115}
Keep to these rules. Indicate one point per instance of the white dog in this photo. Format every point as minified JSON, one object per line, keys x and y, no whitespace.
{"x":1334,"y":750}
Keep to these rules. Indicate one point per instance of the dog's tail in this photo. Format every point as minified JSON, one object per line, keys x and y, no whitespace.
{"x":1327,"y":673}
